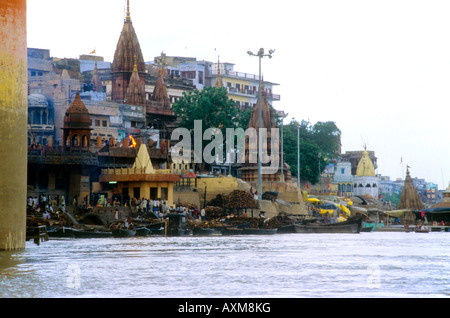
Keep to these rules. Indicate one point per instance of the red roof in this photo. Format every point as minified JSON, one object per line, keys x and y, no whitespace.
{"x":189,"y":175}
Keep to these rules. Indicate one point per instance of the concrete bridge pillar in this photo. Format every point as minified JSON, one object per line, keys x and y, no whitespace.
{"x":13,"y":124}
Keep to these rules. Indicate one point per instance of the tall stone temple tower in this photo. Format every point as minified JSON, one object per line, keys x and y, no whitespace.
{"x":128,"y":59}
{"x":249,"y":170}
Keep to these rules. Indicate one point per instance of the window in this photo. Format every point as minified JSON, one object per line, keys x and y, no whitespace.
{"x":97,"y":122}
{"x":164,"y":193}
{"x":104,"y":123}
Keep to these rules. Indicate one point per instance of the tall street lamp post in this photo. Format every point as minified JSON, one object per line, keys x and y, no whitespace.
{"x":260,"y":54}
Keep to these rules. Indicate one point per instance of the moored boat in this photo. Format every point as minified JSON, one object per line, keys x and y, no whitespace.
{"x":123,"y":233}
{"x":143,"y":231}
{"x":204,"y":231}
{"x":367,"y":228}
{"x":232,"y":231}
{"x":352,"y":225}
{"x":259,"y":231}
{"x":156,"y":228}
{"x":90,"y":233}
{"x":426,"y":230}
{"x":60,"y":232}
{"x":290,"y":228}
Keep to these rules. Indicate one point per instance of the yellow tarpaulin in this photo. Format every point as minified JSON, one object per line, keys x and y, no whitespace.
{"x":344,"y":209}
{"x":323,"y":211}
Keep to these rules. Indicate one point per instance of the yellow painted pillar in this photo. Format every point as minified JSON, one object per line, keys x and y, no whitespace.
{"x":170,"y":194}
{"x":13,"y":124}
{"x":158,"y":195}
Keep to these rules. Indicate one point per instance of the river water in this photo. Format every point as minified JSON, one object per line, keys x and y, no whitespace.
{"x":377,"y":264}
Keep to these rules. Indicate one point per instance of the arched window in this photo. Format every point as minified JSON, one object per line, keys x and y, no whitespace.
{"x":374,"y":185}
{"x":368,"y":186}
{"x":75,"y":140}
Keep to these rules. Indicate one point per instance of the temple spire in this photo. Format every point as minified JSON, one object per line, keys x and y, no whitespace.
{"x":218,"y":82}
{"x":128,"y":18}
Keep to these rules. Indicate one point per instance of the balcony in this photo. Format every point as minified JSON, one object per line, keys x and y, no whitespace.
{"x":250,"y":93}
{"x":41,"y":128}
{"x":137,"y":174}
{"x":62,"y":157}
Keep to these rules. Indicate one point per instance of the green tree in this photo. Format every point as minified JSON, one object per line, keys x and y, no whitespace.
{"x":318,"y":143}
{"x":212,"y":106}
{"x":328,"y":136}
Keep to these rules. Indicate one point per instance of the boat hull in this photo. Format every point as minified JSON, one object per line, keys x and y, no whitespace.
{"x":123,"y":233}
{"x":232,"y":231}
{"x":352,"y":225}
{"x":286,"y":229}
{"x":203,"y":231}
{"x":60,"y":232}
{"x":90,"y":234}
{"x":143,"y":231}
{"x":259,"y":231}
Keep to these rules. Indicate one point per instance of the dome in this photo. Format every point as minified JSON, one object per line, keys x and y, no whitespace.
{"x":37,"y":100}
{"x":365,"y":166}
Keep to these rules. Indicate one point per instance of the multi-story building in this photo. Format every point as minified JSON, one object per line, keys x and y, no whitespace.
{"x":432,"y":193}
{"x":344,"y":179}
{"x":242,"y":87}
{"x":41,"y":124}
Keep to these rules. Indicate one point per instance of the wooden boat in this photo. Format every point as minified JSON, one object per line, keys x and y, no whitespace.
{"x":203,"y":231}
{"x":156,"y":228}
{"x":426,"y":230}
{"x":367,"y":228}
{"x":60,"y":232}
{"x":290,"y":228}
{"x":123,"y":233}
{"x":352,"y":225}
{"x":143,"y":231}
{"x":232,"y":231}
{"x":259,"y":231}
{"x":158,"y":231}
{"x":90,"y":233}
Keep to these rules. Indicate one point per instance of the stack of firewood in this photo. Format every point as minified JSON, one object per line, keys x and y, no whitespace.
{"x":187,"y":205}
{"x":240,"y":199}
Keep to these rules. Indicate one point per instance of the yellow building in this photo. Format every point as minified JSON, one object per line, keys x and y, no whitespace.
{"x":243,"y":88}
{"x":141,"y":180}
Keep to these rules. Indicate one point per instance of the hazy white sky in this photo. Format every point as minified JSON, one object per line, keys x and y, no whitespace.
{"x":379,"y":69}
